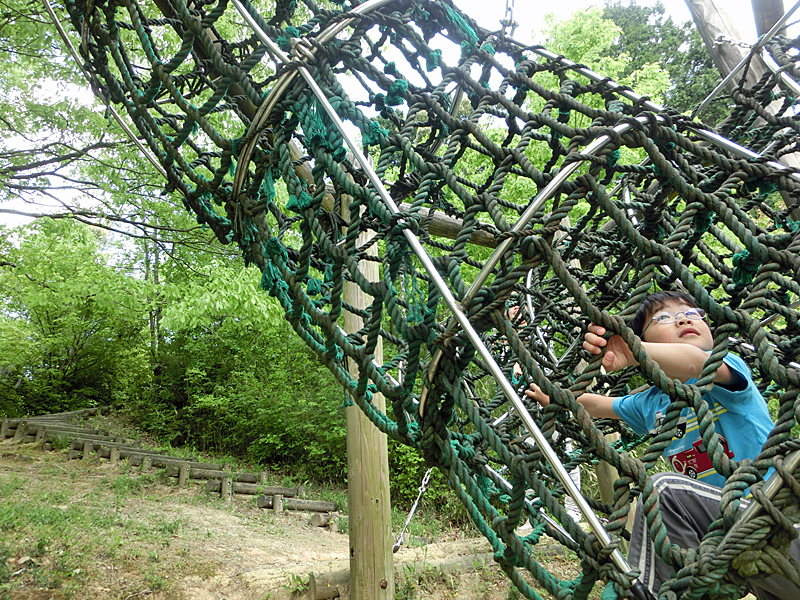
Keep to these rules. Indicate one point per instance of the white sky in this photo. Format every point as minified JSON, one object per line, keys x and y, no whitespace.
{"x":530,"y":13}
{"x":530,"y":16}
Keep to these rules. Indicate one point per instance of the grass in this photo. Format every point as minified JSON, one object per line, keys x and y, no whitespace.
{"x":61,"y":539}
{"x":106,"y":528}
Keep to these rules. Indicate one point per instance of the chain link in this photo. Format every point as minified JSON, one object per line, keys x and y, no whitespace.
{"x":723,"y":39}
{"x":508,"y":18}
{"x":422,"y":489}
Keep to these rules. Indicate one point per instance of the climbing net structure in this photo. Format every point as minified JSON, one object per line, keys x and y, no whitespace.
{"x":445,"y":173}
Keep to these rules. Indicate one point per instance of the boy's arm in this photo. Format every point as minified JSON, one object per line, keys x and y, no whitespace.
{"x":597,"y":405}
{"x":684,"y":361}
{"x":678,"y":361}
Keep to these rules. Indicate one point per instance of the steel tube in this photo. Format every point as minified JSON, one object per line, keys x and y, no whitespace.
{"x":461,"y":317}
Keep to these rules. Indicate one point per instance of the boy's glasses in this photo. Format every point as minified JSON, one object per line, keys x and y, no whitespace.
{"x":666,"y":317}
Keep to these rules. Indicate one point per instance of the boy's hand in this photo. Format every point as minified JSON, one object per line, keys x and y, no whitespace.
{"x":617,"y":356}
{"x":536,"y":393}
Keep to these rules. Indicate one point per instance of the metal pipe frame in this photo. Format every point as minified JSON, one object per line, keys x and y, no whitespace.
{"x":460,"y":316}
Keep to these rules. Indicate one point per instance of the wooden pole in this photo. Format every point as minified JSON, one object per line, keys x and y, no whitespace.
{"x":713,"y":19}
{"x":370,"y":523}
{"x":766,"y":14}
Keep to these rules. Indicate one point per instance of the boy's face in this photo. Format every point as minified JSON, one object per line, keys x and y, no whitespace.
{"x":681,"y":331}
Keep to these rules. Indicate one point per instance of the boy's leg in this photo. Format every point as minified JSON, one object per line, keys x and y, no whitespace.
{"x":687,"y":508}
{"x":777,"y":587}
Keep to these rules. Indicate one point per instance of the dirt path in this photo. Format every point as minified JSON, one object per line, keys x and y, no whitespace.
{"x":80,"y":529}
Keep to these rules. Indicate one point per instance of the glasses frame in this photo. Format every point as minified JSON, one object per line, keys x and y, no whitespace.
{"x":675,"y":317}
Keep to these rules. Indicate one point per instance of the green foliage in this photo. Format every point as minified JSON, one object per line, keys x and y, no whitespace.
{"x":407,"y":469}
{"x":250,"y":388}
{"x":647,"y":38}
{"x":74,"y":315}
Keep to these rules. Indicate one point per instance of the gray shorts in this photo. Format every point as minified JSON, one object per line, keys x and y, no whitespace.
{"x":688,"y":508}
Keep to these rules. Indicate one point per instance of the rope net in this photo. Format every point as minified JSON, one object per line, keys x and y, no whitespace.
{"x":467,"y":130}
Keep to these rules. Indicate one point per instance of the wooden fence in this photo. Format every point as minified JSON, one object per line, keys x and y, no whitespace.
{"x":58,"y":432}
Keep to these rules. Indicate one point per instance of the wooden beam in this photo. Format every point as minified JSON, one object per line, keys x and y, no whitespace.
{"x":766,"y":13}
{"x":369,"y":509}
{"x":440,"y":225}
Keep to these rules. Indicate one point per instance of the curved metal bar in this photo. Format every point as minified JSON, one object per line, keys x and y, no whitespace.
{"x":776,"y":68}
{"x":463,"y":320}
{"x":280,"y":87}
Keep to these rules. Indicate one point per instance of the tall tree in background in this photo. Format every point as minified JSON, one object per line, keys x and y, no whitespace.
{"x":648,"y":36}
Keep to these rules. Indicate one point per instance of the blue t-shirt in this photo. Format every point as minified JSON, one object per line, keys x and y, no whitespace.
{"x":740,"y":417}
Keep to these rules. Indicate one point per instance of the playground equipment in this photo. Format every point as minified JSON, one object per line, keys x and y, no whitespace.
{"x":485,"y":173}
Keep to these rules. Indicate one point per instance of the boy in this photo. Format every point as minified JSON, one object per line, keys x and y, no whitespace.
{"x":676,"y":336}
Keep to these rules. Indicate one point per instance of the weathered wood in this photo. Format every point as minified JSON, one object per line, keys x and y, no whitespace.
{"x":766,"y":13}
{"x":277,"y":504}
{"x":113,"y":456}
{"x":40,"y":433}
{"x":4,"y":429}
{"x":183,"y":476}
{"x":226,"y":489}
{"x":19,"y":432}
{"x":87,"y":448}
{"x":319,"y":520}
{"x":265,"y":501}
{"x":713,"y":18}
{"x":370,"y":526}
{"x":97,"y":440}
{"x":86,"y":412}
{"x":73,"y":429}
{"x":251,"y":489}
{"x":439,"y":225}
{"x":198,"y":473}
{"x":147,"y":462}
{"x":323,"y":586}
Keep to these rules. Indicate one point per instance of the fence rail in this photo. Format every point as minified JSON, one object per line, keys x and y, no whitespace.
{"x":58,"y":431}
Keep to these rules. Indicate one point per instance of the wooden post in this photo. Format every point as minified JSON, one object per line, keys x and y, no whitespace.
{"x":277,"y":504}
{"x":370,"y":528}
{"x":19,"y":433}
{"x":713,"y":19}
{"x":183,"y":476}
{"x":767,"y":13}
{"x":3,"y":429}
{"x":226,"y":489}
{"x":87,"y":449}
{"x":113,"y":455}
{"x":147,"y":462}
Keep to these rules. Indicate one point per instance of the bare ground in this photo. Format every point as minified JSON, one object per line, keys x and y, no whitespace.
{"x":89,"y":530}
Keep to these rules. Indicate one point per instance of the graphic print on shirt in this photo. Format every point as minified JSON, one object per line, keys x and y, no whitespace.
{"x":688,"y":454}
{"x":696,"y":462}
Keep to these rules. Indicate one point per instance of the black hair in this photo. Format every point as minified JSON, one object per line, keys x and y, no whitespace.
{"x":655,"y":302}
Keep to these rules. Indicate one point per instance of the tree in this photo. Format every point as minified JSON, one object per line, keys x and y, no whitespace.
{"x":647,"y":37}
{"x":76,"y":316}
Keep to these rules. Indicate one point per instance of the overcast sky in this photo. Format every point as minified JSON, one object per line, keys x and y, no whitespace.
{"x":530,"y":13}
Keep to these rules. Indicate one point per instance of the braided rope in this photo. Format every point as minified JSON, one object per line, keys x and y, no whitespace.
{"x":254,"y":156}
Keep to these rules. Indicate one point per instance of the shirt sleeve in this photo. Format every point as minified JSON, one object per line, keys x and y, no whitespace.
{"x":739,"y":367}
{"x":637,"y":410}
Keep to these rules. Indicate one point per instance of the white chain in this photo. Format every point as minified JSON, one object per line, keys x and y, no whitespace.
{"x":423,"y":486}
